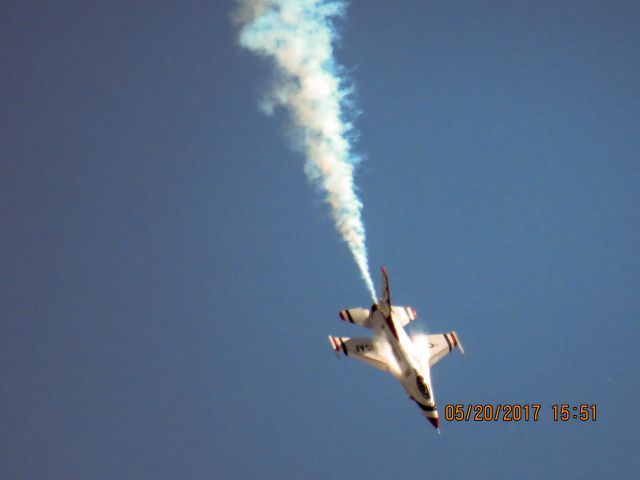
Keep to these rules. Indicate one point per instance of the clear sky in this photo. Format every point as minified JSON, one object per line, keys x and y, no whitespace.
{"x":169,"y":276}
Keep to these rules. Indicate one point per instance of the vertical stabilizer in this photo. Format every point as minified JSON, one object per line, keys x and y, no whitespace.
{"x":385,"y":297}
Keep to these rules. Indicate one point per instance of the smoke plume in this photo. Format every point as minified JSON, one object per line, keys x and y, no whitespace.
{"x":298,"y":36}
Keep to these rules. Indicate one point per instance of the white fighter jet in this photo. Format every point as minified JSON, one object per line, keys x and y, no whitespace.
{"x":408,"y":358}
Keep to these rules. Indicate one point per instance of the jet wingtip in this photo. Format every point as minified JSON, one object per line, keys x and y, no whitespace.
{"x":334,"y":345}
{"x":458,"y":343}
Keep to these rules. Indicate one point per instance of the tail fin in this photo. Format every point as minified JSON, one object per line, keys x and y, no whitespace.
{"x":385,"y":296}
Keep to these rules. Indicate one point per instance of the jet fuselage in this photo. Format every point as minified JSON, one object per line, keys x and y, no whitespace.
{"x":414,"y":377}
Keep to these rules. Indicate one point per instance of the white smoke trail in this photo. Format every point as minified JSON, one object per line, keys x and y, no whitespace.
{"x":298,"y":36}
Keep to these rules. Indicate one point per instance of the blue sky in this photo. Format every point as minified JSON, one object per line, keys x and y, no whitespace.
{"x":169,"y":276}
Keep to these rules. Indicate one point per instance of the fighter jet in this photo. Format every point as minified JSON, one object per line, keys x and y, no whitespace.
{"x":408,"y":358}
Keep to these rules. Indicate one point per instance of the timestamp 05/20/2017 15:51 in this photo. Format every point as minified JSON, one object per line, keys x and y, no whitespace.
{"x":517,"y":412}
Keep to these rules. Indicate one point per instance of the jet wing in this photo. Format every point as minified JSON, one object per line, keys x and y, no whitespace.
{"x":441,"y":344}
{"x":363,"y":349}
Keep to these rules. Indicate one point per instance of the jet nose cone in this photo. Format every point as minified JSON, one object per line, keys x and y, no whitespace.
{"x":434,"y":421}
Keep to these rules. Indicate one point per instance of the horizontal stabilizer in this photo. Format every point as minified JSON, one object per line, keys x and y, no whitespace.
{"x":403,"y":315}
{"x":359,"y":316}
